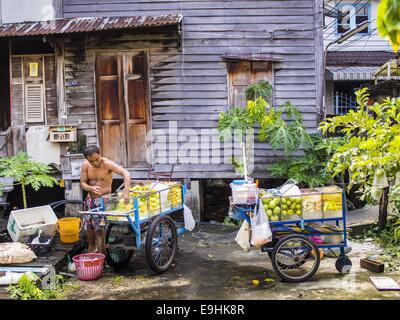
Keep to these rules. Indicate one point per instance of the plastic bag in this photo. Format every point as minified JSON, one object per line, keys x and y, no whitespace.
{"x":243,"y":236}
{"x":188,"y":218}
{"x":260,"y":229}
{"x":380,"y":182}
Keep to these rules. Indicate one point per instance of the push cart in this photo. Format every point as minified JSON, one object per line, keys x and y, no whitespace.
{"x":295,"y":249}
{"x":146,"y":220}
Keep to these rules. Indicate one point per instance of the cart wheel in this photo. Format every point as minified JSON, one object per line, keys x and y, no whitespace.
{"x":161,"y":244}
{"x":294,"y":258}
{"x":343,"y":265}
{"x":117,"y":257}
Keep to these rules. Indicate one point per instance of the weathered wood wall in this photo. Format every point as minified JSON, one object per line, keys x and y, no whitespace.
{"x":17,"y":104}
{"x":189,"y":84}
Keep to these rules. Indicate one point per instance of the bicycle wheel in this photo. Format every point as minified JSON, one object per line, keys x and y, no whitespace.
{"x":295,"y":258}
{"x":116,"y":255}
{"x":161,"y":244}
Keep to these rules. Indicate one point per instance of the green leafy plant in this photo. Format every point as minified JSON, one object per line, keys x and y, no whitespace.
{"x":27,"y":289}
{"x":372,"y":144}
{"x":260,"y":89}
{"x":388,"y":21}
{"x":309,"y":170}
{"x":27,"y":172}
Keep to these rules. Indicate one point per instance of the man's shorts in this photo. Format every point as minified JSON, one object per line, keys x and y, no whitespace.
{"x":91,"y":222}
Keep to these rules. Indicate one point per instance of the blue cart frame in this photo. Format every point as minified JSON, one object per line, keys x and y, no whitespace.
{"x":138,"y":226}
{"x":291,"y":229}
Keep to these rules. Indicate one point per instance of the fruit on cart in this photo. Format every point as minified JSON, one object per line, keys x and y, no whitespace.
{"x":272,"y":207}
{"x":291,"y":205}
{"x":332,"y":198}
{"x":175,"y":194}
{"x":312,"y":203}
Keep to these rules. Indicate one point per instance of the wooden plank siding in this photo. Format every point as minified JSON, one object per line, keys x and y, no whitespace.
{"x":188,"y":84}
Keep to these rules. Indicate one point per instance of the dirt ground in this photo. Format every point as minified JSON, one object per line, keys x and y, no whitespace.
{"x":210,"y":265}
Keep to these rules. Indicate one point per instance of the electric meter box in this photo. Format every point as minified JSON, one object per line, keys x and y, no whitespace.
{"x":63,"y":133}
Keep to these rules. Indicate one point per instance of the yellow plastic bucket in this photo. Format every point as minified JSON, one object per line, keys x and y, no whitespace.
{"x":69,"y":229}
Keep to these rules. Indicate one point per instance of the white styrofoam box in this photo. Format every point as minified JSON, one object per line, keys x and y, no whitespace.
{"x":26,"y":222}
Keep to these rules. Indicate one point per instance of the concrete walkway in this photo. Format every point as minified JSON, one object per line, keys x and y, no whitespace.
{"x":363,"y":216}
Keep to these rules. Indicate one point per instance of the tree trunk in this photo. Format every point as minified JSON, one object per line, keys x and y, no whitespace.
{"x":383,"y":208}
{"x":24,"y":195}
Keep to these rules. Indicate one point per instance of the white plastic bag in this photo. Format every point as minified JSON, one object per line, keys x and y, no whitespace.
{"x":243,"y":236}
{"x":380,"y":182}
{"x":260,"y":229}
{"x":188,"y":218}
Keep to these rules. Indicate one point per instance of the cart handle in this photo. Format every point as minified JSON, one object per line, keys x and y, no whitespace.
{"x":96,"y":213}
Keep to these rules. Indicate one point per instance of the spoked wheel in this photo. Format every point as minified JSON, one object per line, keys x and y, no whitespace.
{"x":343,"y":265}
{"x":161,"y":244}
{"x":295,"y":258}
{"x":116,"y":235}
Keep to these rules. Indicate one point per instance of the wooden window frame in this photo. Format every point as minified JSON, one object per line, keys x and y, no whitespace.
{"x":251,"y":76}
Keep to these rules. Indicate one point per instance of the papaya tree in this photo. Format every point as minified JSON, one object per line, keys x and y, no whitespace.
{"x":26,"y":172}
{"x":371,"y":151}
{"x":281,"y":127}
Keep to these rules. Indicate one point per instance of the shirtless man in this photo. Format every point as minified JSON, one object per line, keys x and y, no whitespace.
{"x":96,"y":179}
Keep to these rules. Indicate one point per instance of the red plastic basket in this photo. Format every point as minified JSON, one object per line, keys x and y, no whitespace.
{"x":89,"y":266}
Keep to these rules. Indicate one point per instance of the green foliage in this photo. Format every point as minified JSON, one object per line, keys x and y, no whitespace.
{"x":230,"y":222}
{"x":372,"y":142}
{"x":27,"y":172}
{"x":260,"y":89}
{"x":309,"y":170}
{"x":117,"y":280}
{"x":282,"y":128}
{"x":236,"y":120}
{"x":388,"y":21}
{"x":394,"y":197}
{"x":27,"y":289}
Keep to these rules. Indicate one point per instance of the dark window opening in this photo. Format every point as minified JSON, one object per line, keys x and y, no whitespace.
{"x":4,"y":85}
{"x":31,"y":46}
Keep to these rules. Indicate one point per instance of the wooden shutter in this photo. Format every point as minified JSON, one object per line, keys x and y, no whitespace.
{"x":239,"y":80}
{"x":110,"y":107}
{"x":34,"y":103}
{"x":136,"y":100}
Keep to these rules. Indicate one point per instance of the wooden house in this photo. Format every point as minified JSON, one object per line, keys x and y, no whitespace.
{"x":112,"y":70}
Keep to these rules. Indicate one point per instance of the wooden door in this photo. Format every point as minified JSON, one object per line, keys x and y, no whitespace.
{"x":110,"y":107}
{"x":137,"y":105}
{"x":123,"y":106}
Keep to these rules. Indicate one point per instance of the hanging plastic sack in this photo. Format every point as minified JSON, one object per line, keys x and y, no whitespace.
{"x":243,"y":236}
{"x":188,"y":218}
{"x":380,"y":182}
{"x":260,"y":229}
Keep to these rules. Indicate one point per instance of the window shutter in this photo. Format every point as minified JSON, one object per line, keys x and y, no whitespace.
{"x":34,"y":103}
{"x":239,"y":80}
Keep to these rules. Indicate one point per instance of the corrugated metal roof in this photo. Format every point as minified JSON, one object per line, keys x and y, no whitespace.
{"x":358,"y":58}
{"x":350,"y":73}
{"x":86,"y":24}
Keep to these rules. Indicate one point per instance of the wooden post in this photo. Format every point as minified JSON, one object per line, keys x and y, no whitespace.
{"x":383,"y":208}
